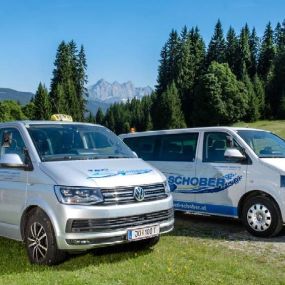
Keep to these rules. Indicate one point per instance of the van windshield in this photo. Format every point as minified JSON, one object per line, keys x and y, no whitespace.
{"x":264,"y":144}
{"x":57,"y":142}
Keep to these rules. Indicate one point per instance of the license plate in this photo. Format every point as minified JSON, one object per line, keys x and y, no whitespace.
{"x":142,"y":233}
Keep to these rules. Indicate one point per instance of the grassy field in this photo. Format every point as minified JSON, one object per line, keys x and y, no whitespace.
{"x":198,"y":251}
{"x":277,"y":127}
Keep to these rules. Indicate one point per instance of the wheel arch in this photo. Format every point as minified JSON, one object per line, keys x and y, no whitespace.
{"x":25,"y":217}
{"x":255,"y":193}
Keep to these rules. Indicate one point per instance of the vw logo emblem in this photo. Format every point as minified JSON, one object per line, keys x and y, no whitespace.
{"x":139,"y":194}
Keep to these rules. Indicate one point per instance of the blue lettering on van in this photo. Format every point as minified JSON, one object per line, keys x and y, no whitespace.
{"x":205,"y":208}
{"x":102,"y":173}
{"x":200,"y":185}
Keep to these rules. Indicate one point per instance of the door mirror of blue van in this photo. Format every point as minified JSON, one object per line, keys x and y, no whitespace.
{"x":11,"y":160}
{"x":234,"y":153}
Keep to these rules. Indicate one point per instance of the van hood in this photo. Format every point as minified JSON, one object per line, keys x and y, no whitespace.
{"x":102,"y":172}
{"x":276,"y":163}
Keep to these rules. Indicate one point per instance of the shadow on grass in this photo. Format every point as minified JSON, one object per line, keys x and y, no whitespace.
{"x":221,"y":228}
{"x":13,"y":257}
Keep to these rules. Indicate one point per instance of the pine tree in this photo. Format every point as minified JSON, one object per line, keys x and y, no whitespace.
{"x":109,"y":120}
{"x":231,"y":51}
{"x":185,"y":72}
{"x":217,"y":46}
{"x":70,"y":73}
{"x":163,"y":75}
{"x":168,"y":68}
{"x":171,"y":115}
{"x":173,"y":46}
{"x":146,"y":103}
{"x":254,"y":48}
{"x":260,"y":94}
{"x":59,"y":104}
{"x":267,"y":54}
{"x":244,"y":54}
{"x":198,"y":52}
{"x":81,"y":81}
{"x":99,"y":116}
{"x":252,"y":110}
{"x":42,"y":103}
{"x":91,"y":119}
{"x":277,"y":88}
{"x":279,"y":37}
{"x":72,"y":101}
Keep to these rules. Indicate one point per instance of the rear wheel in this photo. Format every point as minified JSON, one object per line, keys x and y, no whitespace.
{"x":261,"y":216}
{"x":40,"y":240}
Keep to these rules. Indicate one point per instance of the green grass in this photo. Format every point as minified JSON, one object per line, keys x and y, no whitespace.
{"x":277,"y":127}
{"x":189,"y":255}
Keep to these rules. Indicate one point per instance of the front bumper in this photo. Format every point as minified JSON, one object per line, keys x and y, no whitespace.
{"x":91,"y":229}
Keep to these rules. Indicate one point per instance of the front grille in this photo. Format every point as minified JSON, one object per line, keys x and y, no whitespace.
{"x":125,"y":195}
{"x":120,"y":223}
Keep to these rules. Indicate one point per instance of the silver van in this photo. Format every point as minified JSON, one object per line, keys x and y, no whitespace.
{"x":68,"y":187}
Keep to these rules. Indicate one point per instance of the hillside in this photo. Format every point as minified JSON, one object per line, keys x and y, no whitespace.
{"x":277,"y":127}
{"x":19,"y":96}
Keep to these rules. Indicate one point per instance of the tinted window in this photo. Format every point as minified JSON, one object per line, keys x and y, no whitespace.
{"x":146,"y":147}
{"x":180,"y":147}
{"x":12,"y":142}
{"x":176,"y":147}
{"x":215,"y":144}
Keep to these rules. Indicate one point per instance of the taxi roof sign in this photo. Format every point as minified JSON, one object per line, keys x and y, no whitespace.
{"x":61,"y":117}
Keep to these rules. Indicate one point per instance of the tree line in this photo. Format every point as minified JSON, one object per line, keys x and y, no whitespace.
{"x":236,"y":77}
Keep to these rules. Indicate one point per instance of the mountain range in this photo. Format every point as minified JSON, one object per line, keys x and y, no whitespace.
{"x":102,"y":94}
{"x":109,"y":93}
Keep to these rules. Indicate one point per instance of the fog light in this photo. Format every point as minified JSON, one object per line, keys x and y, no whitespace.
{"x":78,"y":241}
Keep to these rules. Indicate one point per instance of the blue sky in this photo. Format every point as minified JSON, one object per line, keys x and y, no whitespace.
{"x":122,"y":38}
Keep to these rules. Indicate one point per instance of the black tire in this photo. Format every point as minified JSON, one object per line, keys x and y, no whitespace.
{"x":147,"y":243}
{"x":40,"y":240}
{"x":261,"y":216}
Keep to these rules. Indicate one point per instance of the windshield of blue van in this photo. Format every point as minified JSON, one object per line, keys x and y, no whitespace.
{"x":56,"y":142}
{"x":264,"y":144}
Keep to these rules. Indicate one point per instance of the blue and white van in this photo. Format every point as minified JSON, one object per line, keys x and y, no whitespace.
{"x":225,"y":171}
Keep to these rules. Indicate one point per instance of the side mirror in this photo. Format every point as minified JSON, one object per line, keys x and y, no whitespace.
{"x":234,"y":153}
{"x":12,"y":160}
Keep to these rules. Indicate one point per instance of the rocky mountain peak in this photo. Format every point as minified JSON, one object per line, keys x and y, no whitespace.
{"x":109,"y":93}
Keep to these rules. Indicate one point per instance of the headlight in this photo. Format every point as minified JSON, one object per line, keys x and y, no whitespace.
{"x":166,"y":187}
{"x":78,"y":195}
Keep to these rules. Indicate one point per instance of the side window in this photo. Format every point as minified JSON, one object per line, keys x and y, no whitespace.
{"x":179,"y":147}
{"x":146,"y":147}
{"x":214,"y":147}
{"x":12,"y":142}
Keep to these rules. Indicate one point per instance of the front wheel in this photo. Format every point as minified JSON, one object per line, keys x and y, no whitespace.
{"x":40,"y":240}
{"x":261,"y":217}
